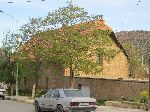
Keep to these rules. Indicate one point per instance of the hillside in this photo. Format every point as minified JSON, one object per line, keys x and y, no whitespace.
{"x":133,"y":34}
{"x":137,"y":46}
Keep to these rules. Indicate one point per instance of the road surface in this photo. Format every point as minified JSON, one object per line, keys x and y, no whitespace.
{"x":12,"y":106}
{"x":116,"y":109}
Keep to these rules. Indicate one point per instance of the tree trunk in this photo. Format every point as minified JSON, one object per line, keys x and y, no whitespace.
{"x":37,"y":65}
{"x":33,"y":90}
{"x":71,"y":78}
{"x":37,"y":71}
{"x":11,"y":90}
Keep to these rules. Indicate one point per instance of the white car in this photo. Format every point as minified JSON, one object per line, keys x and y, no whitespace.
{"x":3,"y":93}
{"x":65,"y":100}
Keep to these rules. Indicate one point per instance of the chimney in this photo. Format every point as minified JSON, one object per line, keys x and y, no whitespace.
{"x":100,"y":23}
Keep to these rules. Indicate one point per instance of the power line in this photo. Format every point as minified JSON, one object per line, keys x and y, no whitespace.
{"x":11,"y":2}
{"x":130,"y":14}
{"x":1,"y":11}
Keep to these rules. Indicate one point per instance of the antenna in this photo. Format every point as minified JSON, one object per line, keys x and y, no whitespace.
{"x":98,"y":17}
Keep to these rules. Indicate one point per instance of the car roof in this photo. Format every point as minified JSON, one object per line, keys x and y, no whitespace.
{"x":70,"y":89}
{"x":63,"y":89}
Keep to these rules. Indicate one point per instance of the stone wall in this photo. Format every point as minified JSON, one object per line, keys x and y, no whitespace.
{"x":111,"y":89}
{"x":51,"y":77}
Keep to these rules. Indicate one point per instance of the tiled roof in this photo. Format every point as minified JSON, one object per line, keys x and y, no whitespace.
{"x":98,"y":24}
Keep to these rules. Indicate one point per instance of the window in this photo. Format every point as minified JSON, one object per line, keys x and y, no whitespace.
{"x":49,"y":94}
{"x":99,"y":59}
{"x":74,"y":93}
{"x":56,"y":94}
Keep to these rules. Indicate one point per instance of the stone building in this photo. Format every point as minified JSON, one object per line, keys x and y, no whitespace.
{"x":117,"y":68}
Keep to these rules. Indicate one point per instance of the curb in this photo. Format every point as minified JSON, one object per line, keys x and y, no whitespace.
{"x":126,"y":104}
{"x":21,"y":99}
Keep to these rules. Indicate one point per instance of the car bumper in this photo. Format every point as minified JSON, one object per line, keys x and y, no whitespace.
{"x":78,"y":109}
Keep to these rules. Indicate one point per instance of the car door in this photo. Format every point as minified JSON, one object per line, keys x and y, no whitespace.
{"x":46,"y":100}
{"x":55,"y":99}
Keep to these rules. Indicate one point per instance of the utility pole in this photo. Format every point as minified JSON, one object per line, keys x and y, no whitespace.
{"x":17,"y":66}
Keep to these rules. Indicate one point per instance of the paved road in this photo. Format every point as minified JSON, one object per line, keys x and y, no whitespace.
{"x":116,"y":109}
{"x":12,"y":106}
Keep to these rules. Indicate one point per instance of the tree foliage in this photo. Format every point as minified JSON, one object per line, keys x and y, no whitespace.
{"x":8,"y":59}
{"x":70,"y":43}
{"x":66,"y":36}
{"x":6,"y":68}
{"x":75,"y":50}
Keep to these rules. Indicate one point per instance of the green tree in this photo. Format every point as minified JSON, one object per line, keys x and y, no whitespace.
{"x":9,"y":59}
{"x":70,"y":47}
{"x":31,"y":31}
{"x":74,"y":50}
{"x":65,"y":16}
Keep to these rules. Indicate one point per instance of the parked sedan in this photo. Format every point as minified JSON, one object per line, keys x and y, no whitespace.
{"x":3,"y":93}
{"x":65,"y":100}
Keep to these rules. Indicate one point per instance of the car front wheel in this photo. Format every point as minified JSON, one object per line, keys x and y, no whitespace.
{"x":3,"y":98}
{"x":37,"y":107}
{"x":59,"y":108}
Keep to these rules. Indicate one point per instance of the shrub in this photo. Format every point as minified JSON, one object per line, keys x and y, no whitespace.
{"x":39,"y":92}
{"x":100,"y":101}
{"x":124,"y":99}
{"x":144,"y":97}
{"x":127,"y":99}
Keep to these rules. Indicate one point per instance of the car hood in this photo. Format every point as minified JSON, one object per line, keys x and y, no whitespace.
{"x":38,"y":98}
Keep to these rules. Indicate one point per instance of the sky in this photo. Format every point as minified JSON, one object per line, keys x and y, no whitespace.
{"x":120,"y":15}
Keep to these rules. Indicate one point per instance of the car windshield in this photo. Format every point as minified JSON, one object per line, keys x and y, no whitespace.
{"x":74,"y":93}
